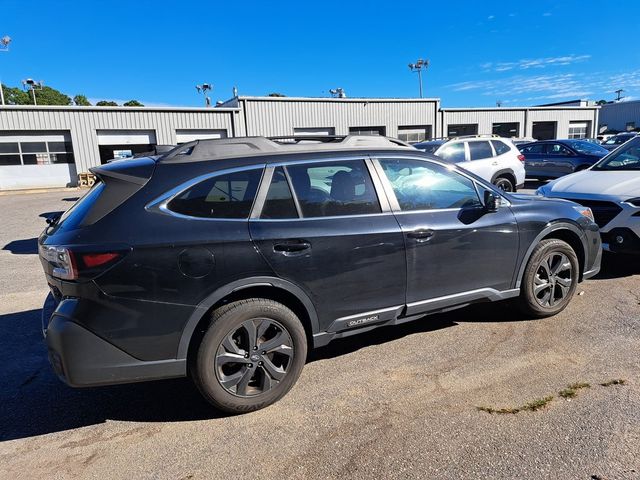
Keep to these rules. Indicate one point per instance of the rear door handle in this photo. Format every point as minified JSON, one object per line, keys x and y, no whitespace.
{"x":291,"y":247}
{"x":421,"y":234}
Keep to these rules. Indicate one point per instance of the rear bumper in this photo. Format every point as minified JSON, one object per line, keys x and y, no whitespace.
{"x":81,"y":358}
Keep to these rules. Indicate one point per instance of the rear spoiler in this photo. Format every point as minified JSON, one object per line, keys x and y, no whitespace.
{"x":137,"y":170}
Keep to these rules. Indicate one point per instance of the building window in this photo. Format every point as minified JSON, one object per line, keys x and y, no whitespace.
{"x":35,"y":153}
{"x":578,"y":129}
{"x":414,"y":134}
{"x":367,"y":131}
{"x":506,"y":130}
{"x":314,"y":131}
{"x":460,"y":130}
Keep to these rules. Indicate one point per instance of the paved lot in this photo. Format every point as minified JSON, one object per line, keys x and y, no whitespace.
{"x":396,"y":403}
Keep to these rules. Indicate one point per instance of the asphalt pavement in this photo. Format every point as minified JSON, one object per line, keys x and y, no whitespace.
{"x":398,"y":402}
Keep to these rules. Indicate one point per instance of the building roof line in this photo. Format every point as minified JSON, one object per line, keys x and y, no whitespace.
{"x":119,"y":108}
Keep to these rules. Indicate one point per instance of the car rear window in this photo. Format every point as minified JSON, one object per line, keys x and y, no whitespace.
{"x":480,"y":150}
{"x":500,"y":147}
{"x":72,"y":218}
{"x":224,"y":196}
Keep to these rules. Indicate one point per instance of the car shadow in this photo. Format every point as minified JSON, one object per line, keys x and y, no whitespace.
{"x":27,"y":246}
{"x":35,"y":402}
{"x":71,"y":199}
{"x":616,"y":265}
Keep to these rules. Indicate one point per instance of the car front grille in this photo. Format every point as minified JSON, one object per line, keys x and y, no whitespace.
{"x":603,"y":211}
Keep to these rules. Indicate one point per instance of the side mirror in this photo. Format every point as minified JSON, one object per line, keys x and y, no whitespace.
{"x":491,"y":201}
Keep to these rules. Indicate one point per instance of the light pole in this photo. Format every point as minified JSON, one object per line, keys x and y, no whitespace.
{"x":417,"y":67}
{"x":4,"y":47}
{"x":30,"y":84}
{"x":203,"y":89}
{"x":338,"y":93}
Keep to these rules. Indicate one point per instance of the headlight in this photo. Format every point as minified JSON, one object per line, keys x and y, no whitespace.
{"x":585,"y":212}
{"x":634,"y":201}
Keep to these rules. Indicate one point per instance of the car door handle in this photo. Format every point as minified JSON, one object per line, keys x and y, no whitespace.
{"x":421,"y":235}
{"x":494,"y":163}
{"x":291,"y":247}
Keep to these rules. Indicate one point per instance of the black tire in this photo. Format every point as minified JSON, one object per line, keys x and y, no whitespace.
{"x":539,"y":300}
{"x":219,"y":362}
{"x":505,"y":184}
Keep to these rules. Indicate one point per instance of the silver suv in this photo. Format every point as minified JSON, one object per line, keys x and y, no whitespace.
{"x":495,"y":159}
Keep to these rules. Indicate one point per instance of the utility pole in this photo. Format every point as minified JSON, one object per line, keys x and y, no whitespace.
{"x":338,"y":93}
{"x":618,"y":94}
{"x":30,"y":84}
{"x":417,"y":67}
{"x":4,"y":47}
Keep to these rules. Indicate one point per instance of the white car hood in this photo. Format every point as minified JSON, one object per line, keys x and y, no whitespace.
{"x":624,"y":184}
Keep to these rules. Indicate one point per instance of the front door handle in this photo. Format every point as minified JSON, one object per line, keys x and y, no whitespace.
{"x":421,"y":234}
{"x":291,"y":247}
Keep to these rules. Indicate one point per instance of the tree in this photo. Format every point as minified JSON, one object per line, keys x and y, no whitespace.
{"x":276,"y":94}
{"x":16,"y":96}
{"x":106,"y":103}
{"x":601,"y":102}
{"x":132,"y":103}
{"x":81,"y":101}
{"x":51,"y":96}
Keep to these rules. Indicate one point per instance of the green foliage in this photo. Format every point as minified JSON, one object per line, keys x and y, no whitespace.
{"x":51,"y":96}
{"x":81,"y":101}
{"x":132,"y":103}
{"x":16,"y":96}
{"x":106,"y":103}
{"x":601,"y":102}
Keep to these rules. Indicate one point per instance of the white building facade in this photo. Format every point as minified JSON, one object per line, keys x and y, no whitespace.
{"x":48,"y":146}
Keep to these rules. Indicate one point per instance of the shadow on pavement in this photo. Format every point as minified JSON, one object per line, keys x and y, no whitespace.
{"x":71,"y":199}
{"x":27,"y":246}
{"x":615,"y":265}
{"x":35,"y":402}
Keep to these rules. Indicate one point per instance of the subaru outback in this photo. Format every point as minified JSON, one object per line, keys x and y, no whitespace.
{"x":226,"y":260}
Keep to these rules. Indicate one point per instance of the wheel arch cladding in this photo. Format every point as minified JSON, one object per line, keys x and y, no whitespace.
{"x":275,"y":289}
{"x":566,"y":232}
{"x":507,"y":173}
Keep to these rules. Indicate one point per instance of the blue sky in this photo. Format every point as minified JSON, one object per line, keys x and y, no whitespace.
{"x":521,"y":53}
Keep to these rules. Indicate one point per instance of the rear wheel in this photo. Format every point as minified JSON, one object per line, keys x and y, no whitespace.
{"x":505,"y":184}
{"x":550,"y":279}
{"x":251,"y":355}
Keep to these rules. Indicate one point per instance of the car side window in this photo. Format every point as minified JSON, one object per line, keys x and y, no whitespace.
{"x":224,"y":196}
{"x":279,"y":202}
{"x":334,"y":189}
{"x":480,"y":150}
{"x":500,"y":147}
{"x":557,"y":149}
{"x":452,"y":152}
{"x":421,"y":185}
{"x":535,"y":148}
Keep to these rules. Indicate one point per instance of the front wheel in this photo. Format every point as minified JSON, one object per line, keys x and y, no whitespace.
{"x":251,"y":355}
{"x":550,"y":279}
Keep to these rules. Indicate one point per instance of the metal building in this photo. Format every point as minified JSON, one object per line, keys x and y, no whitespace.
{"x":47,"y":146}
{"x":620,"y":116}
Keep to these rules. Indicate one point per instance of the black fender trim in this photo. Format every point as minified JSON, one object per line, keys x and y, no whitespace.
{"x":553,"y":227}
{"x":204,"y":306}
{"x":503,"y":171}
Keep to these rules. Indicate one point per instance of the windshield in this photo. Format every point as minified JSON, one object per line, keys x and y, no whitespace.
{"x":626,"y":157}
{"x":587,"y":148}
{"x":618,"y":139}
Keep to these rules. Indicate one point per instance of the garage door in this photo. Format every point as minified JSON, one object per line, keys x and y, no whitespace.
{"x":30,"y":159}
{"x":126,"y":137}
{"x":183,"y":136}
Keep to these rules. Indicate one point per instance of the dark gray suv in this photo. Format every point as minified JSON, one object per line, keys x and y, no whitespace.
{"x":227,"y":259}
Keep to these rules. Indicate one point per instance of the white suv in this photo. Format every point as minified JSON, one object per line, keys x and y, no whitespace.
{"x":492,"y":158}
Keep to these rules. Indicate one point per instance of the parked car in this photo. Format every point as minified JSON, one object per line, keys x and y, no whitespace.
{"x":611,"y":188}
{"x":614,"y":142}
{"x":492,"y":158}
{"x":555,"y":158}
{"x":226,"y":260}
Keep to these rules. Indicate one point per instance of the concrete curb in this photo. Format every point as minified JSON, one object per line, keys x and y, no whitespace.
{"x":41,"y":190}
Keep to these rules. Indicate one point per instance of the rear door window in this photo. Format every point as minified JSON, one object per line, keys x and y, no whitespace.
{"x":480,"y":150}
{"x":224,"y":196}
{"x":334,"y":189}
{"x":535,"y":148}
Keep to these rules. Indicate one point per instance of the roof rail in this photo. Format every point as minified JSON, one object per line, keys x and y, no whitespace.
{"x":211,"y":149}
{"x":482,"y":135}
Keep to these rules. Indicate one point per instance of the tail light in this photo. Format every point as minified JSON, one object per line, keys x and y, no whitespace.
{"x":68,"y":264}
{"x":521,"y":158}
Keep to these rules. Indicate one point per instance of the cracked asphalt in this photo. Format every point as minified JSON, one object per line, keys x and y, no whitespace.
{"x":398,"y":402}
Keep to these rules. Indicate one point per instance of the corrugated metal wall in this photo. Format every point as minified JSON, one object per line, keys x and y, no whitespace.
{"x":616,"y":115}
{"x":280,"y":116}
{"x":83,"y":123}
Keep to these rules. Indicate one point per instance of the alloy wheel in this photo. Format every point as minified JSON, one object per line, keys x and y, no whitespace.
{"x":553,"y":279}
{"x":254,"y":357}
{"x":504,"y":185}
